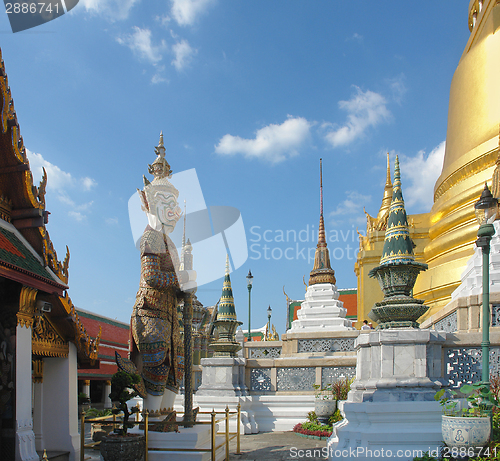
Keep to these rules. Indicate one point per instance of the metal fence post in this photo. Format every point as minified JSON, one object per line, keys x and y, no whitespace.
{"x":213,"y":433}
{"x":82,"y":436}
{"x":238,"y":421}
{"x":146,"y":421}
{"x":227,"y":433}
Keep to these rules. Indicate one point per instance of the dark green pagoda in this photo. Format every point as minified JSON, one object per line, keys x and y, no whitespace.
{"x":226,"y":323}
{"x":398,"y":270}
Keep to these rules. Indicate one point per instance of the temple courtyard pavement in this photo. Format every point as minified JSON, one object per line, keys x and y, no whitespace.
{"x":276,"y":446}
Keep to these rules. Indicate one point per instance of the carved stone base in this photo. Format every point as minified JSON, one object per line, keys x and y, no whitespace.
{"x":25,"y":441}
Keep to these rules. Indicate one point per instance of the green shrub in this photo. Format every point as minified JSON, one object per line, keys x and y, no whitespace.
{"x":95,"y":413}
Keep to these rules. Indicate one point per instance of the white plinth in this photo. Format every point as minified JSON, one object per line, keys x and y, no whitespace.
{"x":383,"y":430}
{"x":223,"y":376}
{"x":391,"y":404}
{"x":197,"y":437}
{"x":321,"y":310}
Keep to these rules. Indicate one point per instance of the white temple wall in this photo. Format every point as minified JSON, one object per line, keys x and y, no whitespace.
{"x":25,"y":437}
{"x":60,"y":404}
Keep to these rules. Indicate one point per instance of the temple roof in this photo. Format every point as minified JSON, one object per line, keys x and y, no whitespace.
{"x":27,"y":255}
{"x":322,"y":271}
{"x":19,"y":262}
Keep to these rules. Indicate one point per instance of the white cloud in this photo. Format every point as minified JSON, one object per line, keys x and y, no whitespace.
{"x":88,"y":183}
{"x":351,"y":208}
{"x":186,"y":12}
{"x":57,"y":178}
{"x":183,"y":54}
{"x":60,"y":183}
{"x":398,"y":87}
{"x":111,"y":221}
{"x":357,"y":37}
{"x":142,"y":46}
{"x":158,"y":75}
{"x":419,"y":175}
{"x":113,"y":10}
{"x":273,"y":143}
{"x":365,"y":109}
{"x":76,"y":215}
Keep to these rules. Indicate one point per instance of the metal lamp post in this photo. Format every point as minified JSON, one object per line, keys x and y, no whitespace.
{"x":249,"y":286}
{"x":269,"y":312}
{"x":486,"y":211}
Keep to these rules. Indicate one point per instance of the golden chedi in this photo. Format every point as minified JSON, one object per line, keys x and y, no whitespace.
{"x":472,"y":148}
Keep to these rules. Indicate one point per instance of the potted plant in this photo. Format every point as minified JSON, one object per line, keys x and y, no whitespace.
{"x":341,"y":388}
{"x":325,"y":403}
{"x":470,"y":427}
{"x":120,"y":445}
{"x":101,"y":427}
{"x":326,"y":399}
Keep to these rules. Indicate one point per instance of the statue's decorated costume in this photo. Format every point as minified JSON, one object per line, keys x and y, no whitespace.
{"x":156,"y":349}
{"x":155,"y":326}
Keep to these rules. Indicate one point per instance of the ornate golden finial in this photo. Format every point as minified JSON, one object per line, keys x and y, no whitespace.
{"x":322,"y":271}
{"x":386,"y":200}
{"x":321,"y":229}
{"x":286,"y":296}
{"x":227,"y":264}
{"x":160,"y":167}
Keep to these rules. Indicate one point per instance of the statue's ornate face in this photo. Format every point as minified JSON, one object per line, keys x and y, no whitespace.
{"x":166,"y":210}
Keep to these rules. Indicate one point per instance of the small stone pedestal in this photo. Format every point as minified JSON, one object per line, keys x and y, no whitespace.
{"x":223,"y":376}
{"x":223,"y":383}
{"x":391,"y":404}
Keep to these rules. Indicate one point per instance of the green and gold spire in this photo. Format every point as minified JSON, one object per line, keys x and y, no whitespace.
{"x":226,"y":309}
{"x":398,"y":245}
{"x":322,"y":271}
{"x":398,"y":269}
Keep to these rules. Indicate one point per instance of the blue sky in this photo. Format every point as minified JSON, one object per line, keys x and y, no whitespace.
{"x":249,"y":93}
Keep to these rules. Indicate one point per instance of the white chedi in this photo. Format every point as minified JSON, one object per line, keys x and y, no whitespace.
{"x":321,"y":310}
{"x":472,"y":276}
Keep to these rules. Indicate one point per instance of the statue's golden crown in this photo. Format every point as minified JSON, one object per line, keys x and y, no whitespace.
{"x":160,"y":169}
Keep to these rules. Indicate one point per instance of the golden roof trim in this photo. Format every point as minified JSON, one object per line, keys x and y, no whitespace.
{"x":50,"y":257}
{"x":47,"y":348}
{"x":477,"y":164}
{"x":85,"y":344}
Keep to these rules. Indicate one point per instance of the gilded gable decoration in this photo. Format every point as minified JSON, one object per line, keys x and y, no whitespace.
{"x":42,"y":188}
{"x":37,"y":366}
{"x":85,"y":344}
{"x":5,"y":208}
{"x":46,"y":340}
{"x":50,"y":257}
{"x":27,"y":301}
